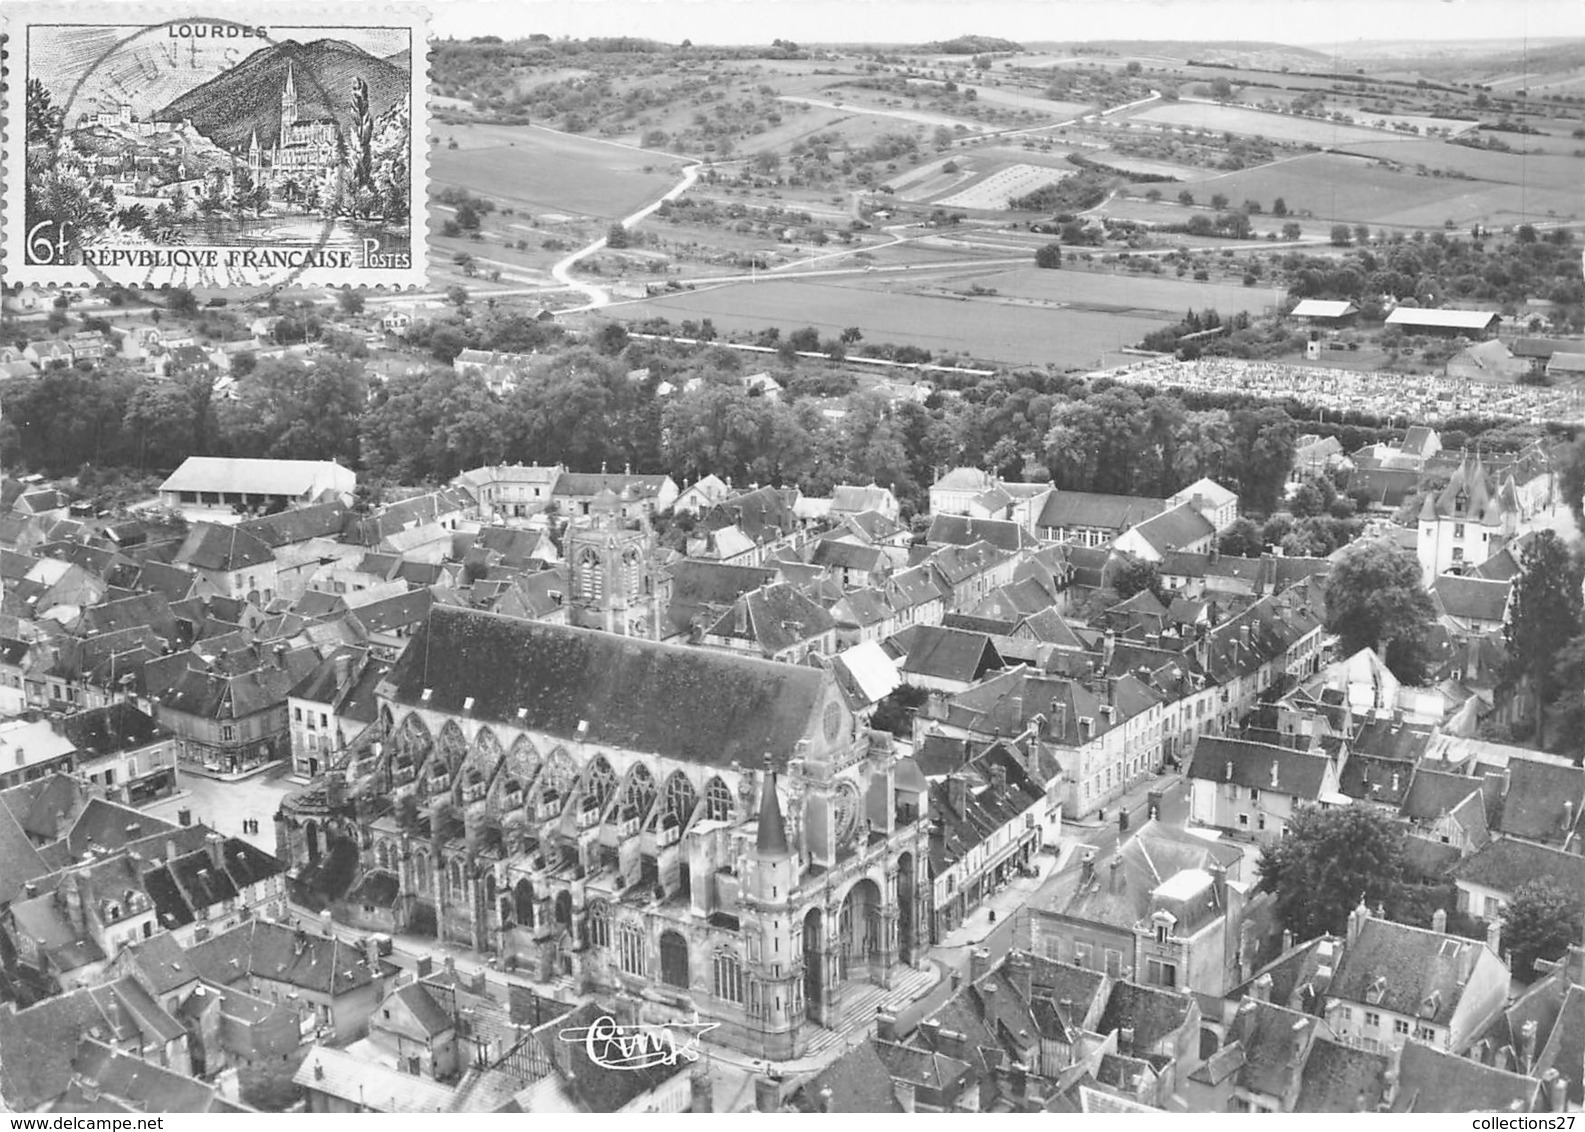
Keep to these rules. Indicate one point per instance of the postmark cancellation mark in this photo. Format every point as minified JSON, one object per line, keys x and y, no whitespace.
{"x":207,"y":147}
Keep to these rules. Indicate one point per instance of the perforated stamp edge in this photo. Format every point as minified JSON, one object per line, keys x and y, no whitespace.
{"x":15,"y":18}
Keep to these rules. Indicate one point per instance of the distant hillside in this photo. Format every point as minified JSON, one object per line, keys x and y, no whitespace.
{"x":228,"y":108}
{"x":971,"y":45}
{"x":1232,"y":53}
{"x":400,"y":60}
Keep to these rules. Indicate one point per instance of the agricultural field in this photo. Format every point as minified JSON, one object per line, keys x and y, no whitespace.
{"x":532,"y":168}
{"x":1131,"y":293}
{"x":1276,"y":127}
{"x":1044,"y":107}
{"x":838,"y":101}
{"x":1145,"y":167}
{"x":981,"y":328}
{"x":1541,"y":171}
{"x":1342,"y":187}
{"x":993,"y":192}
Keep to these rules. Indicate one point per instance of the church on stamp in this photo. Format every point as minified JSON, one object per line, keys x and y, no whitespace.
{"x":301,"y":145}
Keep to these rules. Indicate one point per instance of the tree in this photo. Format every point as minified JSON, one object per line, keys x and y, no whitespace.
{"x":1264,"y":441}
{"x":805,"y":339}
{"x":1544,"y":614}
{"x":1135,"y":574}
{"x":290,"y":411}
{"x":363,"y":136}
{"x":1221,"y":89}
{"x":1341,"y":236}
{"x":1218,"y":201}
{"x":616,"y":236}
{"x":44,"y":117}
{"x":1279,"y":207}
{"x":1241,"y":540}
{"x":1291,"y":231}
{"x":351,"y":301}
{"x":1571,"y":479}
{"x":1540,"y":923}
{"x":431,"y":426}
{"x":1328,"y":862}
{"x":458,"y":295}
{"x":1374,"y":599}
{"x":1185,"y":198}
{"x":182,"y":301}
{"x":1048,"y":255}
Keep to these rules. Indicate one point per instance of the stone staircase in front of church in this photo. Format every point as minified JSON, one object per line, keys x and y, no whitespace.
{"x":857,"y":1004}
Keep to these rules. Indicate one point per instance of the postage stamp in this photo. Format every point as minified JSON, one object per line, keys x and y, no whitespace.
{"x":218,"y":145}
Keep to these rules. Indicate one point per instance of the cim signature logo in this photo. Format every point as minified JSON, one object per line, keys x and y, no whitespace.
{"x":613,"y":1046}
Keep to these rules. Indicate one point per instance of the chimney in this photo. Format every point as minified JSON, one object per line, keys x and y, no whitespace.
{"x":1287,"y":941}
{"x":1273,"y":774}
{"x":1527,"y":1047}
{"x":979,"y":964}
{"x":1356,"y":921}
{"x":1227,"y":771}
{"x":740,"y":618}
{"x":953,"y":1044}
{"x":74,"y":900}
{"x":326,"y":924}
{"x":767,"y":1094}
{"x":1116,"y":866}
{"x":1439,"y":921}
{"x":1297,"y":1043}
{"x":1555,"y":1087}
{"x":1087,"y":866}
{"x":1494,"y":937}
{"x":1059,"y":718}
{"x":826,"y":1101}
{"x":371,"y":952}
{"x":1389,"y":1088}
{"x":343,"y":669}
{"x":958,"y":794}
{"x":905,"y":1094}
{"x":1262,"y":989}
{"x":885,"y":1025}
{"x":1466,"y":961}
{"x":1219,"y":883}
{"x":170,"y":849}
{"x":1018,"y":970}
{"x":1568,"y":815}
{"x":214,"y":843}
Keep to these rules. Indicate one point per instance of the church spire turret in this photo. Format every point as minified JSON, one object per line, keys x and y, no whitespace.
{"x":288,"y":109}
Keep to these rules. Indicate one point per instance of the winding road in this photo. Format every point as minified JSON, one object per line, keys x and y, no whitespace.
{"x":598,"y":296}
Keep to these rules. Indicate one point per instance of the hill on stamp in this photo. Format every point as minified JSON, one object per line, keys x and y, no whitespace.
{"x":230,"y":106}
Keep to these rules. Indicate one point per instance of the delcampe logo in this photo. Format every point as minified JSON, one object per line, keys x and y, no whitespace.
{"x":611,"y":1045}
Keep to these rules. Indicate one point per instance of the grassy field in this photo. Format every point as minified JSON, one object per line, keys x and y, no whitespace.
{"x":1340,"y":187}
{"x":1276,"y":127}
{"x":1549,"y":171}
{"x":1127,"y":292}
{"x":984,"y":328}
{"x":532,"y":168}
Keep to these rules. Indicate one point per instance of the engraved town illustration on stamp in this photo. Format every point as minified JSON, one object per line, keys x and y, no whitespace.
{"x":215,"y":149}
